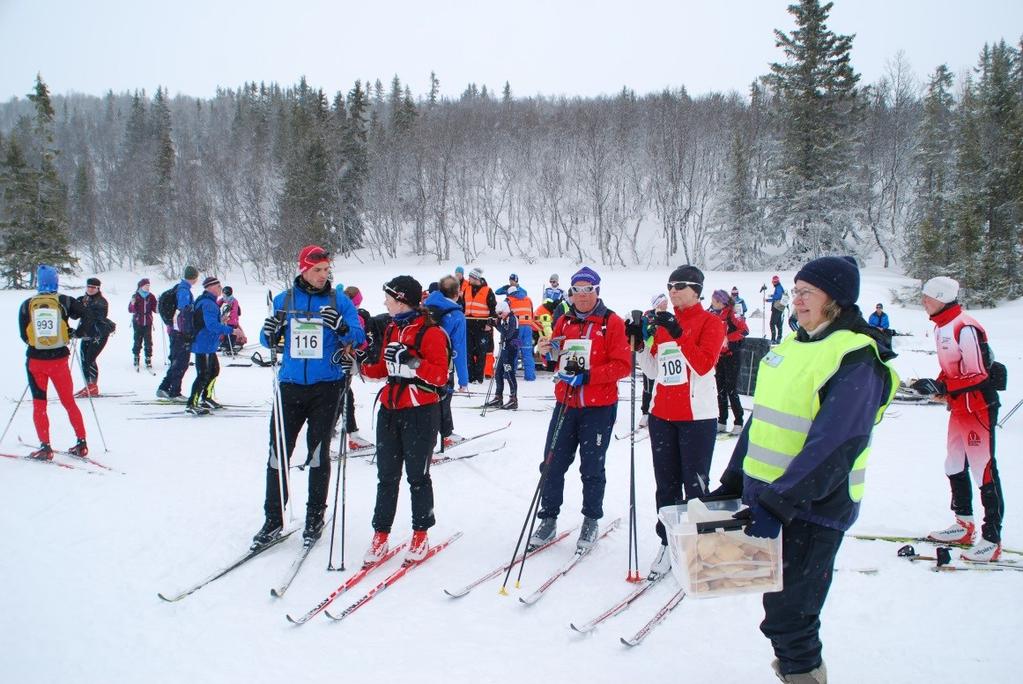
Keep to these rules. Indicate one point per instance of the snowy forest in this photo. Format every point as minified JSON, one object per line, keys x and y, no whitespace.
{"x":920,"y":174}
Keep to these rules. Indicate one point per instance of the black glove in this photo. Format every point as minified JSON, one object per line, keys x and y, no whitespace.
{"x":730,"y":487}
{"x":634,"y":331}
{"x":332,"y":319}
{"x":668,"y":321}
{"x":396,"y":352}
{"x":271,"y":328}
{"x":929,"y":386}
{"x":759,"y":522}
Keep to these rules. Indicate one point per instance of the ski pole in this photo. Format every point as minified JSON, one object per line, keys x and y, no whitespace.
{"x":490,"y":387}
{"x":277,"y":418}
{"x":343,"y":456}
{"x":95,"y":416}
{"x":14,"y":413}
{"x":633,"y":576}
{"x":1001,"y":423}
{"x":530,"y":515}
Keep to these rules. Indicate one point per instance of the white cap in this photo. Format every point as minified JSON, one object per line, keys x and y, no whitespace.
{"x":503,"y":307}
{"x":657,"y":299}
{"x":942,"y":288}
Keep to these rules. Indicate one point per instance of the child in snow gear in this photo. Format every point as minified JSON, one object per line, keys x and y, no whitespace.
{"x":142,"y":307}
{"x":208,"y":327}
{"x":508,"y":346}
{"x":180,"y":345}
{"x":94,"y":333}
{"x":415,"y":366}
{"x":314,"y":321}
{"x":801,"y":460}
{"x":967,"y":383}
{"x":681,"y":358}
{"x":43,"y":324}
{"x":479,"y":304}
{"x":443,"y":306}
{"x":593,"y":355}
{"x":727,"y":371}
{"x":777,"y":300}
{"x":231,"y":311}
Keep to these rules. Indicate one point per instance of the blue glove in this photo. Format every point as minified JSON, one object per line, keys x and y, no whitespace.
{"x":761,"y":522}
{"x":574,"y":379}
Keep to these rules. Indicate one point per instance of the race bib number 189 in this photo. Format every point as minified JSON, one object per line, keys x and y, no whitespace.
{"x":577,"y":350}
{"x":671,"y":364}
{"x":306,"y":340}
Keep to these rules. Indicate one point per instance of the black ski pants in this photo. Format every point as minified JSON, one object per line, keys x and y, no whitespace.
{"x":776,"y":330}
{"x":792,"y":616}
{"x":406,"y":437}
{"x":90,"y":349}
{"x":648,"y":395}
{"x":143,"y":338}
{"x":314,"y":406}
{"x":682,"y":451}
{"x":476,"y":347}
{"x":207,"y":368}
{"x":728,"y":394}
{"x":447,"y":421}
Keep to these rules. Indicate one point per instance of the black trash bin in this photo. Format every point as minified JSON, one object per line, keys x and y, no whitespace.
{"x":750,"y":352}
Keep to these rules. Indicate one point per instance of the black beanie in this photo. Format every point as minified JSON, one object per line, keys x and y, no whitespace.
{"x":838,"y":277}
{"x":688,"y":274}
{"x":405,"y":289}
{"x":93,"y":281}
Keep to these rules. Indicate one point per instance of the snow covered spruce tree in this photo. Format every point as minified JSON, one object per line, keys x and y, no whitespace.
{"x":33,"y":200}
{"x":929,"y":249}
{"x":818,"y":105}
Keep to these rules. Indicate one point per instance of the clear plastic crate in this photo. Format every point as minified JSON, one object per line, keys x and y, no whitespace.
{"x":712,"y":556}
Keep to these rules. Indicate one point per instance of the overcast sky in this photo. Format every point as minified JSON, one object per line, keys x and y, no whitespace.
{"x":551,"y":47}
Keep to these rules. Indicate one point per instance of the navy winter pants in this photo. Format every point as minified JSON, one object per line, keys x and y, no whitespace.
{"x":681,"y":451}
{"x":589,"y":430}
{"x":178,"y":365}
{"x":792,"y":616}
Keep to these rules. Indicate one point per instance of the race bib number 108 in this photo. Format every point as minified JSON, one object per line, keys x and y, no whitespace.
{"x":671,"y":364}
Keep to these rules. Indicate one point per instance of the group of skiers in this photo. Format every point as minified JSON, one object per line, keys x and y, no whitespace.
{"x":799,"y":463}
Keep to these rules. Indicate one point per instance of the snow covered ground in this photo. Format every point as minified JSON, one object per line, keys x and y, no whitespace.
{"x":84,"y":555}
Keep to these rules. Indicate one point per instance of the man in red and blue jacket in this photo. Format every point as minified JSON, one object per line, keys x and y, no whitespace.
{"x":593,"y":355}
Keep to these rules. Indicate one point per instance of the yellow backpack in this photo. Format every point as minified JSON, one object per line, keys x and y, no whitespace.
{"x":47,"y":326}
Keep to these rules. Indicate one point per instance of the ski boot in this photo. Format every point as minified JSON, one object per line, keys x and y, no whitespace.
{"x":661,"y":565}
{"x":268,"y":533}
{"x":496,"y":402}
{"x":543,"y":534}
{"x":80,"y":449}
{"x":418,"y":547}
{"x":452,"y":439}
{"x":983,"y":551}
{"x":587,"y":535}
{"x":313,"y":529}
{"x":211,"y":403}
{"x":961,"y":532}
{"x":43,"y":453}
{"x":377,"y":548}
{"x":196,"y":410}
{"x":512,"y":405}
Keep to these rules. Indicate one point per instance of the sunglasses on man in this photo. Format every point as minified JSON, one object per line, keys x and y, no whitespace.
{"x":681,"y":284}
{"x":582,"y":289}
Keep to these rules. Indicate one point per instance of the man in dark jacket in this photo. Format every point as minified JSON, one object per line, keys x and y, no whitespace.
{"x":170,"y":387}
{"x":94,"y":333}
{"x":443,"y":306}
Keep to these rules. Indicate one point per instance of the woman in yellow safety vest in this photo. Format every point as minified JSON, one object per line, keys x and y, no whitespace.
{"x":800,"y":462}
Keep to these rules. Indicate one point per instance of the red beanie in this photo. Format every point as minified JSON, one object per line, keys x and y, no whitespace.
{"x":310,"y":256}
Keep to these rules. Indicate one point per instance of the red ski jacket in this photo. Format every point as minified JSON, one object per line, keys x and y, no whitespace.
{"x":610,"y":358}
{"x":686,"y":389}
{"x":430,"y":345}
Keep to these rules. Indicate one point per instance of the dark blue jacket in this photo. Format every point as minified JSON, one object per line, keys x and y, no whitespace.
{"x":185,"y":299}
{"x":815,"y":486}
{"x":208,"y":339}
{"x":508,"y":327}
{"x":305,"y":305}
{"x":453,"y":323}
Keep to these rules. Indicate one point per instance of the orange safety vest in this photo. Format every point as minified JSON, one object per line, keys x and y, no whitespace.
{"x":523,"y":310}
{"x":463,"y":288}
{"x":476,"y":305}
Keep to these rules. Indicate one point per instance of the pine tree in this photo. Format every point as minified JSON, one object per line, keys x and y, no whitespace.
{"x":819,"y":107}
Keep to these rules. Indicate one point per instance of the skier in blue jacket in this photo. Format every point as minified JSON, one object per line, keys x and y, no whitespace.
{"x":204,"y":346}
{"x":776,"y":300}
{"x":317,"y":324}
{"x":443,"y":305}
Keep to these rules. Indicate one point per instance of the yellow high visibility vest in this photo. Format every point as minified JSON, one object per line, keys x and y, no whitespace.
{"x":787,"y":400}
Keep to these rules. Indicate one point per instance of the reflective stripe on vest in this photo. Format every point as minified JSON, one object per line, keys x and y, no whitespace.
{"x":787,"y":400}
{"x":523,"y":310}
{"x":476,"y":304}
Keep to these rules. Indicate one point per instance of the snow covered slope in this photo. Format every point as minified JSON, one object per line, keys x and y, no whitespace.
{"x":82,"y":556}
